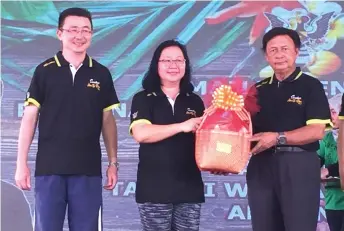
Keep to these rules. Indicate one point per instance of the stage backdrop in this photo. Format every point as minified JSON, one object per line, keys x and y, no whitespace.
{"x":223,"y":38}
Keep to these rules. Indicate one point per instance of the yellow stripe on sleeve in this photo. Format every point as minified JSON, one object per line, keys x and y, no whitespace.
{"x":140,"y":121}
{"x":327,"y":122}
{"x":33,"y":101}
{"x":111,"y":107}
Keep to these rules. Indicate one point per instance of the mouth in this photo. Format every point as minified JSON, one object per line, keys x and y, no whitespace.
{"x":173,"y":73}
{"x":280,"y":63}
{"x":79,"y":44}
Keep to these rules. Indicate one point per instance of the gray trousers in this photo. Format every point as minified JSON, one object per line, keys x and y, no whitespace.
{"x":170,"y":217}
{"x":284,"y":191}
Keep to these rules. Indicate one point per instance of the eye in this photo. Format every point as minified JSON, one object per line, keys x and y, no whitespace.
{"x":180,"y":61}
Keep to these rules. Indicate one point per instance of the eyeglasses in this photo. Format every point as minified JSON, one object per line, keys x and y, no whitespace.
{"x":76,"y":31}
{"x":168,"y":62}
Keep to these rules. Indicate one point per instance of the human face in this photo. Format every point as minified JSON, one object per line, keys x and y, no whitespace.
{"x":334,"y":118}
{"x":171,"y":67}
{"x":281,"y":53}
{"x":75,"y":34}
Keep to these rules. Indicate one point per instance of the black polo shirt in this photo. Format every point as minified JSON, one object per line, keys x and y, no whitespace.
{"x":71,"y":112}
{"x":341,"y":113}
{"x":167,"y":170}
{"x":293,"y":103}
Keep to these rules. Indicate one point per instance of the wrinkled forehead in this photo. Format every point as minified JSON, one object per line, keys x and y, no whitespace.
{"x":77,"y":21}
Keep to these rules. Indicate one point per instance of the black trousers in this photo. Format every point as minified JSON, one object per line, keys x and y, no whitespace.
{"x":284,"y":191}
{"x":335,"y":219}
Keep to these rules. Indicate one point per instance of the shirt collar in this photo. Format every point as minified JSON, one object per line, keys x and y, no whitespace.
{"x":61,"y":61}
{"x":294,"y":76}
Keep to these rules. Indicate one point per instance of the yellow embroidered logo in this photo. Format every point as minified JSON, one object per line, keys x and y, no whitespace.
{"x":295,"y":99}
{"x":94,"y":84}
{"x":191,"y":112}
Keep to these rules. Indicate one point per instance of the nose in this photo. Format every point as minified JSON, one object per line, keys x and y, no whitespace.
{"x":279,"y":55}
{"x":173,"y":65}
{"x":79,"y":35}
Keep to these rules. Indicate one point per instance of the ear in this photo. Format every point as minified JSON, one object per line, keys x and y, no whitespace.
{"x":297,"y":51}
{"x":59,"y":34}
{"x":266,"y":56}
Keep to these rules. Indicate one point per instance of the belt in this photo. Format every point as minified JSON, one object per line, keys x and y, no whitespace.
{"x":286,"y":149}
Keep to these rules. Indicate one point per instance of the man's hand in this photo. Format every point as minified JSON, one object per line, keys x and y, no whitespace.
{"x":191,"y":125}
{"x":265,"y":141}
{"x":23,"y":177}
{"x":111,"y":174}
{"x":324,"y":173}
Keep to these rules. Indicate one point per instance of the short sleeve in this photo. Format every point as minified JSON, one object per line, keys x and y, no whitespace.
{"x":317,"y":106}
{"x":35,"y":93}
{"x":110,"y":99}
{"x":200,"y":106}
{"x":140,"y":110}
{"x":341,"y":113}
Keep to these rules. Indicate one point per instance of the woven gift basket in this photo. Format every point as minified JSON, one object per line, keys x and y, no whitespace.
{"x":222,"y":139}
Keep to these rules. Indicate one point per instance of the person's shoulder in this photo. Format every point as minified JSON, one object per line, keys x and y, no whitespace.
{"x":101,"y":71}
{"x":47,"y":64}
{"x":98,"y":66}
{"x":143,"y":94}
{"x":195,"y":96}
{"x":263,"y":82}
{"x":309,"y":80}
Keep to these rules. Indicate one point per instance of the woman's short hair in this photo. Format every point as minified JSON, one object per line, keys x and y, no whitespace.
{"x":151,"y":81}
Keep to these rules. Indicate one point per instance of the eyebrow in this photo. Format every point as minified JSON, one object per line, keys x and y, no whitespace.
{"x":181,"y":57}
{"x":274,"y":47}
{"x":81,"y":27}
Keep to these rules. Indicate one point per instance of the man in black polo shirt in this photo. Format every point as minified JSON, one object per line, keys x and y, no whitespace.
{"x":74,"y":96}
{"x":283,"y":175}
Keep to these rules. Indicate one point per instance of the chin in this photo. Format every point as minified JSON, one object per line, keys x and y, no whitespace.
{"x":81,"y":49}
{"x":280,"y":68}
{"x":174,"y":78}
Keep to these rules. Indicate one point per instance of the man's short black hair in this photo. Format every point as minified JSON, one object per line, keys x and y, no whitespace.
{"x":276,"y":31}
{"x":74,"y":11}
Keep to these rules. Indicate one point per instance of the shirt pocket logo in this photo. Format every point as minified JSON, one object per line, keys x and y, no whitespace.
{"x":94,"y":84}
{"x":191,"y":112}
{"x":295,"y":99}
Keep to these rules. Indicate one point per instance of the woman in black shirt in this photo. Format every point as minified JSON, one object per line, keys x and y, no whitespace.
{"x":164,"y":117}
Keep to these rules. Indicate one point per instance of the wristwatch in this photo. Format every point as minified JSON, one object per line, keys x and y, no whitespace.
{"x":116,"y":164}
{"x":281,"y":139}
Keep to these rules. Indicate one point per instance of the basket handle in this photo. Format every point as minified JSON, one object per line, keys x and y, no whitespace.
{"x":204,"y":117}
{"x":250,"y":120}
